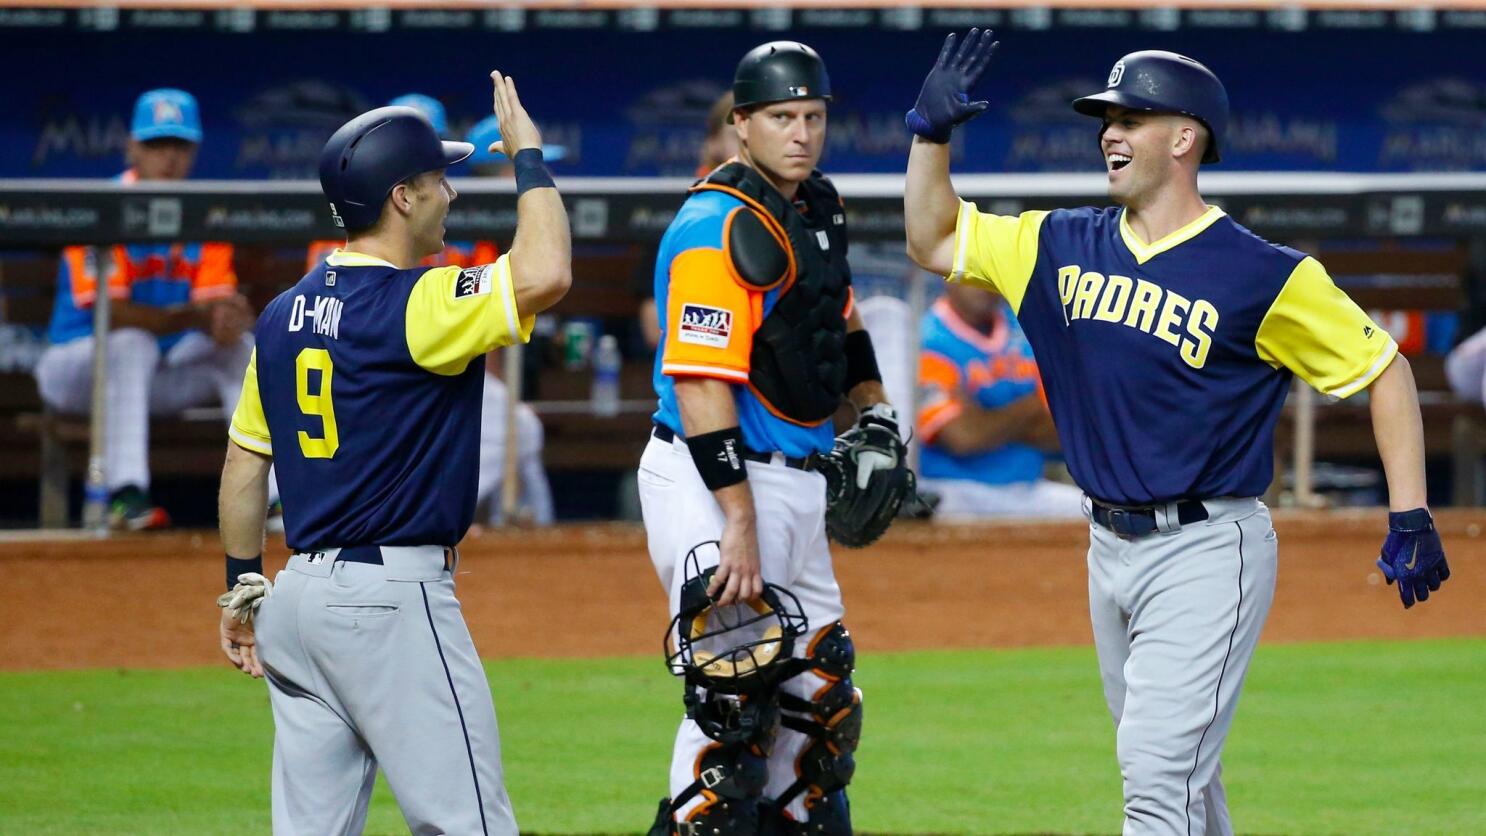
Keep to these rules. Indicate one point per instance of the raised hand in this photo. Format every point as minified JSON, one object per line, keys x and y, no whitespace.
{"x":518,"y":132}
{"x":944,"y":102}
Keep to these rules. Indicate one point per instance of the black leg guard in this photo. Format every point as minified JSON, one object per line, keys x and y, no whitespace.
{"x":834,"y":720}
{"x":663,"y":824}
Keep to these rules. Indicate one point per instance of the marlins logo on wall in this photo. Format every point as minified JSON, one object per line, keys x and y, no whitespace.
{"x":705,"y":325}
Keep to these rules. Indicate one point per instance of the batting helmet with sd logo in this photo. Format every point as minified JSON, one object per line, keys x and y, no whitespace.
{"x":368,"y":156}
{"x":1165,"y":82}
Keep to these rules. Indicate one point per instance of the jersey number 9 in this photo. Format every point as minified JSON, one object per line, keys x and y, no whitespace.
{"x":316,"y":403}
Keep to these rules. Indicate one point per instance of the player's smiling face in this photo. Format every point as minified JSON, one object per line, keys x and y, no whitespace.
{"x":1142,"y":150}
{"x":783,"y":140}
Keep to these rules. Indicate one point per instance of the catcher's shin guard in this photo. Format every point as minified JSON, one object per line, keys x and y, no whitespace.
{"x":833,"y":718}
{"x":731,"y":778}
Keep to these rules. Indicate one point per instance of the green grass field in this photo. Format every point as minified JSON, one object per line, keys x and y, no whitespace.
{"x":1331,"y":738}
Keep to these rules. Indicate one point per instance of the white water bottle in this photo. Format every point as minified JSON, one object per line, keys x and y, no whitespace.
{"x":606,"y":362}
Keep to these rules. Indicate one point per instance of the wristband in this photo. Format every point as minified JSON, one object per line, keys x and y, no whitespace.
{"x":531,"y":172}
{"x":861,"y":359}
{"x":719,"y":457}
{"x":1410,"y":521}
{"x":237,"y":567}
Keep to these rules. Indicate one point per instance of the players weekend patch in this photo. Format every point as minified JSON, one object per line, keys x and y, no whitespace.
{"x":474,"y":281}
{"x":705,"y":325}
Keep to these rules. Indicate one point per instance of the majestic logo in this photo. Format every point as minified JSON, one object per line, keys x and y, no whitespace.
{"x":705,"y":325}
{"x":473,"y":281}
{"x":1116,"y":74}
{"x":1367,"y":331}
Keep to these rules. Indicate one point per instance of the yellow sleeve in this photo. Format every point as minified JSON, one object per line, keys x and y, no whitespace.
{"x":249,"y":428}
{"x":1317,"y":331}
{"x":454,"y":315}
{"x":997,"y":251}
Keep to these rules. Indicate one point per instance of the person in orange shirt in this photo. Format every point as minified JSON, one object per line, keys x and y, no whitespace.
{"x":179,"y":328}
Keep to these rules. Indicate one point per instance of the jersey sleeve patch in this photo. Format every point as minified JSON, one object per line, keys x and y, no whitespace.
{"x":1317,"y":331}
{"x":474,"y":281}
{"x":998,"y":252}
{"x":710,"y":318}
{"x":249,"y":427}
{"x":456,"y":314}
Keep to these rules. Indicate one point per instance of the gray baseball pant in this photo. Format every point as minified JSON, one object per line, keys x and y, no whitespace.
{"x":372,"y":666}
{"x":1176,"y":617}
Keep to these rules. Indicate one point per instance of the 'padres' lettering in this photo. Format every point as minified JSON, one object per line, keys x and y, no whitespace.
{"x":1136,"y":303}
{"x":316,"y":403}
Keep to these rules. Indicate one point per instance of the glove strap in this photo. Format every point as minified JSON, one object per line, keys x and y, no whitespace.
{"x":237,"y":567}
{"x":1410,"y":521}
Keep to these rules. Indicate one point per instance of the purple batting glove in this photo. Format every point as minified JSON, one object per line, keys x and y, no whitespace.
{"x":944,"y":102}
{"x":1413,"y":556}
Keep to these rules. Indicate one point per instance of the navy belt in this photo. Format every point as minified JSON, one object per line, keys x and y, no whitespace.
{"x":1141,"y":520}
{"x":665,"y":434}
{"x":373,"y":555}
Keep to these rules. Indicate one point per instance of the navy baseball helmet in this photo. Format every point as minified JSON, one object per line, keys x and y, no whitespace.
{"x":779,"y":71}
{"x":369,"y":155}
{"x":1165,"y":82}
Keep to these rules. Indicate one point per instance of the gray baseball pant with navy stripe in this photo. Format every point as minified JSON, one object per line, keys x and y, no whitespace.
{"x":1176,"y":616}
{"x":373,"y":666}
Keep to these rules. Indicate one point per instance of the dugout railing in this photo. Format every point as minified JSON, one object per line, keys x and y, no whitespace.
{"x":1406,"y":242}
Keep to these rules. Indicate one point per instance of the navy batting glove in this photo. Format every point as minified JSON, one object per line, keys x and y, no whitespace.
{"x":944,"y":101}
{"x":1413,"y":556}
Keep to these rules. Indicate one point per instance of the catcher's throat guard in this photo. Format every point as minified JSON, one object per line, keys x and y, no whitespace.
{"x":736,"y":649}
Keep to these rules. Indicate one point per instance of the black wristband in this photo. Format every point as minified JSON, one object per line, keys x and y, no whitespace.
{"x":237,"y":567}
{"x":531,"y":171}
{"x":719,"y":457}
{"x":861,"y":359}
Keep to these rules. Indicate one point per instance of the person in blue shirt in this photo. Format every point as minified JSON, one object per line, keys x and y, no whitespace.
{"x":178,"y":335}
{"x":365,"y":389}
{"x":760,"y":345}
{"x":982,"y":420}
{"x":1168,"y":336}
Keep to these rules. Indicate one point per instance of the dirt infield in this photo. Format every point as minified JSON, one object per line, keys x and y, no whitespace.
{"x":147,"y":601}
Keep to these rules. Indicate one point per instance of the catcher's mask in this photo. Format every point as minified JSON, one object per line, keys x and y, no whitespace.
{"x":735,"y":649}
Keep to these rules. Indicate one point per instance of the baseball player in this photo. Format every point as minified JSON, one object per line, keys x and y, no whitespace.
{"x":365,"y":389}
{"x":759,"y":344}
{"x":179,"y":327}
{"x":1167,"y":336}
{"x":982,"y":417}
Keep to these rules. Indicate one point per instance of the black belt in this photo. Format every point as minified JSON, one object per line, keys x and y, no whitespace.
{"x":1141,"y":520}
{"x":667,"y":435}
{"x":373,"y":555}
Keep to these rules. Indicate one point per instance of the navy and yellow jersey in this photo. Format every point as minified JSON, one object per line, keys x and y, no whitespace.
{"x":707,"y":320}
{"x":366,"y":388}
{"x":1166,"y":364}
{"x":991,"y":370}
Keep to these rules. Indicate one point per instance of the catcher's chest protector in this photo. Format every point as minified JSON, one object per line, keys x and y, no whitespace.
{"x":798,"y":364}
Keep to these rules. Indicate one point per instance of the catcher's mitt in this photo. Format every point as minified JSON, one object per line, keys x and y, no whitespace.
{"x":867,"y":478}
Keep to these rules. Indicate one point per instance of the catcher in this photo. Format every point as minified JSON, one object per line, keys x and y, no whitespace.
{"x":759,"y":345}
